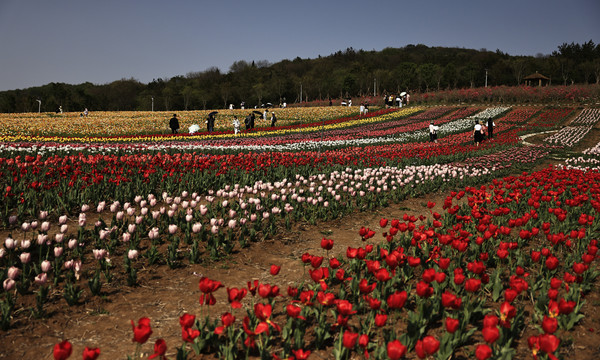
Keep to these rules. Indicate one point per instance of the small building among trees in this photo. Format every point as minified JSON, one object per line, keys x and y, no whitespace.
{"x":538,"y":78}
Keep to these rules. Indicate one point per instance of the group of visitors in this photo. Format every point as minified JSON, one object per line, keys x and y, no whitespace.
{"x":402,"y":99}
{"x":480,"y":129}
{"x":210,"y":122}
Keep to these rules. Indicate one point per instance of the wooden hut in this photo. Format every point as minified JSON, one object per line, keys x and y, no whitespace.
{"x":541,"y":80}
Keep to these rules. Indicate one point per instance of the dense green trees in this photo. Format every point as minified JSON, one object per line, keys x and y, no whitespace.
{"x":342,"y":74}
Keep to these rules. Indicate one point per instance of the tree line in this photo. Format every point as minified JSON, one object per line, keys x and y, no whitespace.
{"x":343,"y":74}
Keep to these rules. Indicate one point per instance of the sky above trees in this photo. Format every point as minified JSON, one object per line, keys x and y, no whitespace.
{"x":100,"y":42}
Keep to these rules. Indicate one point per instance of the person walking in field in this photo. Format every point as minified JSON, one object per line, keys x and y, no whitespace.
{"x":174,"y":124}
{"x":236,"y":125}
{"x":477,"y":133}
{"x":433,"y":132}
{"x":273,"y":119}
{"x":490,"y":126}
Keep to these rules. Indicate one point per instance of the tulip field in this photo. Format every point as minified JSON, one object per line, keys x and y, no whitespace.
{"x":332,"y":235}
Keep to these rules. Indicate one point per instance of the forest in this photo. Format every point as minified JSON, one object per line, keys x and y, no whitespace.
{"x":343,"y":74}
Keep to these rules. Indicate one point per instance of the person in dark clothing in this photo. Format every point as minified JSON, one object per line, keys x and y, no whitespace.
{"x":247,"y":122}
{"x":210,"y":123}
{"x":174,"y":124}
{"x":252,"y":118}
{"x":273,"y":119}
{"x":490,"y":126}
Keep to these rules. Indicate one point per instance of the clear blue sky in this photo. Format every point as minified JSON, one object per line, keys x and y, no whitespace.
{"x":100,"y":41}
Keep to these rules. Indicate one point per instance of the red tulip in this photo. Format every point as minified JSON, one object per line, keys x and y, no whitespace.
{"x":452,"y":325}
{"x":207,"y":285}
{"x":383,"y":222}
{"x":142,"y":331}
{"x":160,"y":349}
{"x":483,"y":352}
{"x":344,"y":307}
{"x":429,"y":275}
{"x":235,"y":296}
{"x":294,"y":311}
{"x":549,"y":343}
{"x":187,"y":320}
{"x":326,"y":244}
{"x":91,"y":353}
{"x":426,"y":347}
{"x":301,"y":354}
{"x":274,"y":270}
{"x":490,"y":334}
{"x":349,"y":339}
{"x":472,"y":285}
{"x":62,"y":350}
{"x":424,"y":289}
{"x":549,"y":324}
{"x":395,"y":350}
{"x":397,"y":299}
{"x":551,"y":262}
{"x":380,"y":320}
{"x":364,"y":287}
{"x":566,"y":307}
{"x":189,"y":334}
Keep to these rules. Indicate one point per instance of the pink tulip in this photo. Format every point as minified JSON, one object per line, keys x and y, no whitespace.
{"x":46,"y":266}
{"x":64,"y":228}
{"x":43,"y":215}
{"x":203,"y":209}
{"x":59,"y":237}
{"x":82,"y":219}
{"x":25,"y":244}
{"x":85,"y":208}
{"x":9,"y":284}
{"x":12,"y":219}
{"x":126,"y":237}
{"x":189,"y":218}
{"x":13,"y":272}
{"x":41,"y":279}
{"x":10,"y":243}
{"x":25,"y":257}
{"x":196,"y":228}
{"x":232,"y":223}
{"x":214,"y":229}
{"x":58,"y":251}
{"x":72,"y":244}
{"x":62,"y":219}
{"x":132,"y":254}
{"x":45,"y":226}
{"x":131,"y":228}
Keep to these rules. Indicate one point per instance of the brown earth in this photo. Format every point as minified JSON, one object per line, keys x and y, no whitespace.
{"x":164,"y":294}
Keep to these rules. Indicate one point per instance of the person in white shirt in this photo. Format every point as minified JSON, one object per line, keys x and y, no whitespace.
{"x":236,"y":125}
{"x":477,"y":133}
{"x":433,"y":132}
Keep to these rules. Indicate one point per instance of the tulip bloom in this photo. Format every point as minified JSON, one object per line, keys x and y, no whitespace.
{"x":349,"y":339}
{"x":62,"y":350}
{"x":160,"y":349}
{"x":274,"y":270}
{"x":397,"y":300}
{"x":142,"y":331}
{"x":91,"y":353}
{"x":483,"y":352}
{"x":427,"y":347}
{"x":395,"y":350}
